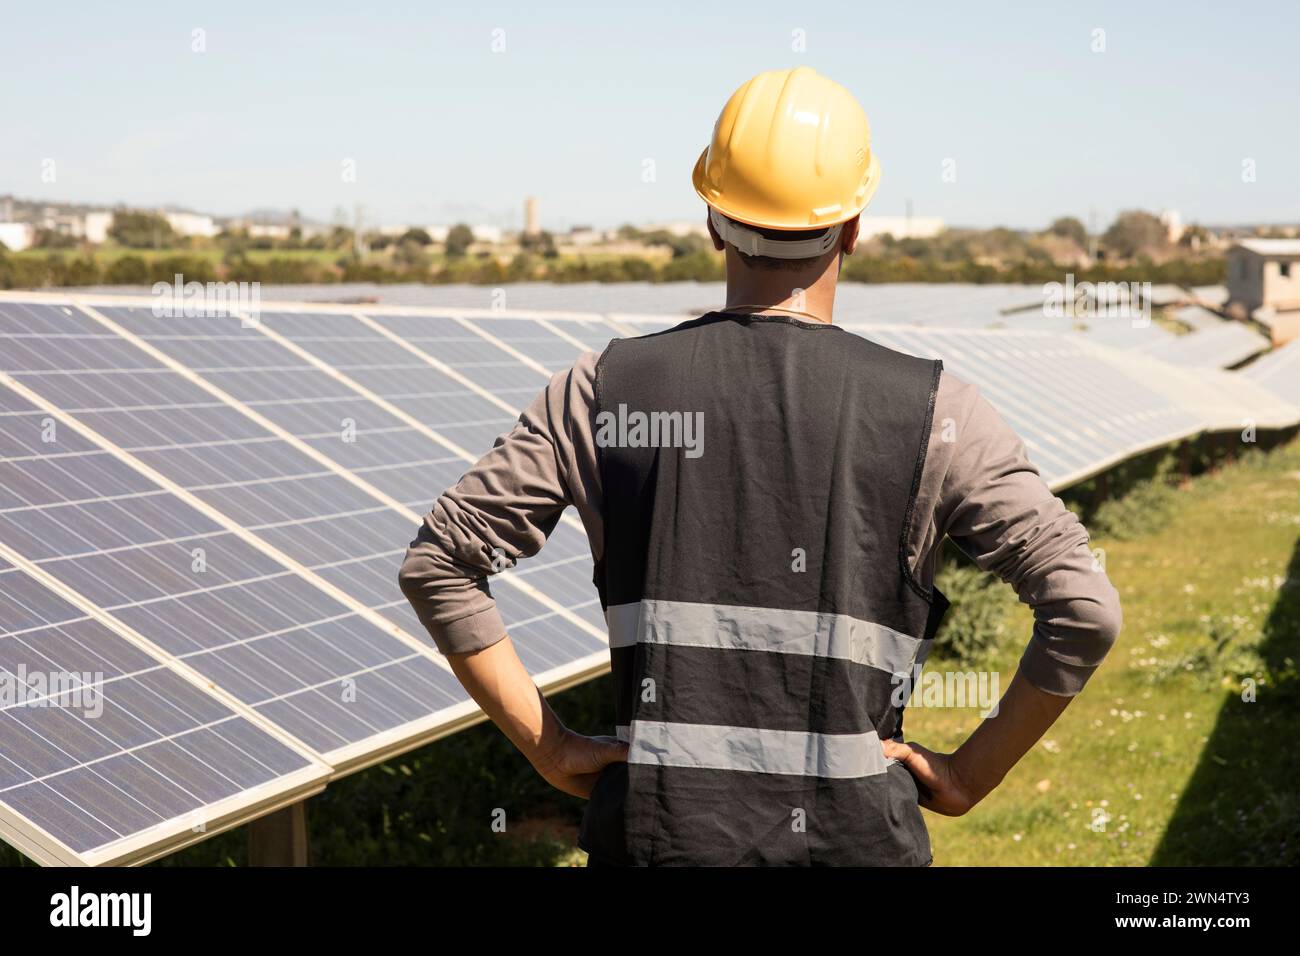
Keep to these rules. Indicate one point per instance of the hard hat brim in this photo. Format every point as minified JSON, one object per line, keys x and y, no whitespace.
{"x":697,"y":180}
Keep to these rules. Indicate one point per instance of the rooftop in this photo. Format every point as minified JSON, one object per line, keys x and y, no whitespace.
{"x":1271,"y":247}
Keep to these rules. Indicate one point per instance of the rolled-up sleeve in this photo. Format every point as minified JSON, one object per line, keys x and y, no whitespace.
{"x":502,"y":509}
{"x":1000,"y":512}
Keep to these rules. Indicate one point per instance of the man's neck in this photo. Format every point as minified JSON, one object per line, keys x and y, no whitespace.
{"x":809,"y":292}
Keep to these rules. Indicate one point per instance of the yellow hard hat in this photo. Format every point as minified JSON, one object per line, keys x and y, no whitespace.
{"x":791,"y":150}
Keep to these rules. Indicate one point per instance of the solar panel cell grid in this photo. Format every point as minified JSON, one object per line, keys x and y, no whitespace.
{"x":106,"y":741}
{"x":296,"y":511}
{"x":1039,"y":382}
{"x":205,"y":595}
{"x":549,"y":348}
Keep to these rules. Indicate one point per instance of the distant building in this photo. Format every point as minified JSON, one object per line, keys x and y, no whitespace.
{"x":490,"y":234}
{"x":680,"y":228}
{"x":264,"y":230}
{"x":1173,"y":223}
{"x":192,"y":224}
{"x":1264,"y":284}
{"x":65,"y":224}
{"x":584,"y":236}
{"x":95,"y":226}
{"x":532,"y":217}
{"x":17,"y":236}
{"x":901,"y":227}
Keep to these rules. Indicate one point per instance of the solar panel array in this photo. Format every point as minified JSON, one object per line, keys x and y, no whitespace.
{"x":201,"y":522}
{"x":1079,"y":404}
{"x":1211,"y":295}
{"x":1278,"y":372}
{"x":1197,"y":317}
{"x":233,"y":501}
{"x":1216,"y":344}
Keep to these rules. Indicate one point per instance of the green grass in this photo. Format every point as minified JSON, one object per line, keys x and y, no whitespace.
{"x":1160,"y":741}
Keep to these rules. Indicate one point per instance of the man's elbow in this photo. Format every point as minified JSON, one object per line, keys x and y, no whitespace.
{"x":413,"y":575}
{"x":1107,"y":622}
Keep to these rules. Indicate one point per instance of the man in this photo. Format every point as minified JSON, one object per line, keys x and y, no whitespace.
{"x":766,"y":576}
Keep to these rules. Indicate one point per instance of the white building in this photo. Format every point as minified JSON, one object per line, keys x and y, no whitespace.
{"x":96,"y":225}
{"x":584,"y":236}
{"x":900,"y":227}
{"x":1173,"y":223}
{"x":679,"y":228}
{"x":67,"y":224}
{"x":17,"y":236}
{"x":1264,"y":284}
{"x":263,"y":230}
{"x":486,"y":233}
{"x":192,"y":224}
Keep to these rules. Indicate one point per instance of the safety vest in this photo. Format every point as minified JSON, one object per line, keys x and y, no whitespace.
{"x":758,"y":477}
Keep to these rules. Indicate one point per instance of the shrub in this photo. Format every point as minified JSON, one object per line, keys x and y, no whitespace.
{"x":1144,"y":509}
{"x":974,"y":625}
{"x":128,"y":270}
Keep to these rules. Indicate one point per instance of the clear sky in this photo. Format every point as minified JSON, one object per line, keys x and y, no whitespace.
{"x":441,"y":127}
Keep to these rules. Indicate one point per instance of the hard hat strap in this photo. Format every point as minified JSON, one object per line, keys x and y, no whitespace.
{"x":753,"y":243}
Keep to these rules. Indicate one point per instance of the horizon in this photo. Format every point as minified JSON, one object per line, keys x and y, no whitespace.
{"x":266,"y":214}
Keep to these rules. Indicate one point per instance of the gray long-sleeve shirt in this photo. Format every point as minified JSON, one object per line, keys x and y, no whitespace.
{"x":977,"y":487}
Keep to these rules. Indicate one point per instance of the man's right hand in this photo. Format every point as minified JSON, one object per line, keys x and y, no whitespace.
{"x":574,"y":762}
{"x":937,"y":781}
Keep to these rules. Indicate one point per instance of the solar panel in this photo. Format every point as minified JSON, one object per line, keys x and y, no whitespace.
{"x":1080,"y":406}
{"x":1278,"y":372}
{"x":1116,"y":331}
{"x":1218,"y":345}
{"x":1166,"y":294}
{"x":1219,"y":400}
{"x":1211,"y":295}
{"x":1197,"y":317}
{"x":203,"y":594}
{"x":109,"y":754}
{"x":358,"y":546}
{"x":1072,"y":409}
{"x":453,"y":382}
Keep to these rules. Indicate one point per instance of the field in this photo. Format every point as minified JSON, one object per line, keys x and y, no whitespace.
{"x":1160,"y":761}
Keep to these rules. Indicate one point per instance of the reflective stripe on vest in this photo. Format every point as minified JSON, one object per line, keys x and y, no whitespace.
{"x":724,"y":627}
{"x":753,"y":750}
